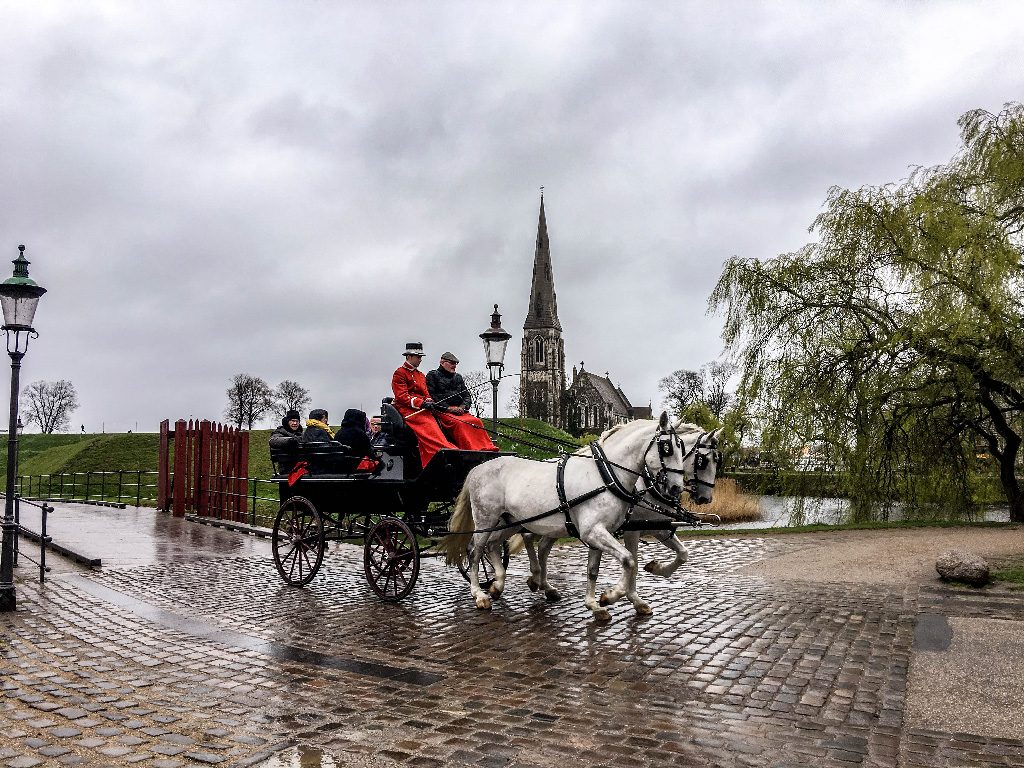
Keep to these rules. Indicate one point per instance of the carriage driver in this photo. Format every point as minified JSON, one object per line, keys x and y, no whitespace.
{"x":413,"y":401}
{"x":453,"y":400}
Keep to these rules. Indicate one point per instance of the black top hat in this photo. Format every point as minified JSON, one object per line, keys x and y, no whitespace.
{"x":414,"y":348}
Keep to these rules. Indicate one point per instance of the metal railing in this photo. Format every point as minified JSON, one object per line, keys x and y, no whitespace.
{"x":139,"y":487}
{"x":123,"y":486}
{"x":40,"y":535}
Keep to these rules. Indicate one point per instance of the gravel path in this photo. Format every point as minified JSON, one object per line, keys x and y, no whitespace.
{"x":885,"y":556}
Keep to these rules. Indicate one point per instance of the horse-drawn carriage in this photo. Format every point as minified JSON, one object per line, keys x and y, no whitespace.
{"x":393,"y":509}
{"x":398,"y":507}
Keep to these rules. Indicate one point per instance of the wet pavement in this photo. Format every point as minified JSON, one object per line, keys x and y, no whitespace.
{"x":190,"y":651}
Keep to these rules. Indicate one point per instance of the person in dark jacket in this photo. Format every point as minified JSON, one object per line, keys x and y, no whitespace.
{"x":451,"y":407}
{"x":287,"y":438}
{"x":447,"y":388}
{"x":317,"y":430}
{"x":352,"y":433}
{"x":289,"y":433}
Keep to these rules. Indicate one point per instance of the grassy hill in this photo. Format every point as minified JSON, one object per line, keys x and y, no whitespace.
{"x":54,"y":454}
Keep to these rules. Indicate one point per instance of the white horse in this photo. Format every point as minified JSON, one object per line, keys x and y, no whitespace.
{"x":586,"y":494}
{"x":704,"y":451}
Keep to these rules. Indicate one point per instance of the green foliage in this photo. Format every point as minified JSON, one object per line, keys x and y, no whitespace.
{"x":1011,"y":573}
{"x":897,"y":339}
{"x":515,"y":441}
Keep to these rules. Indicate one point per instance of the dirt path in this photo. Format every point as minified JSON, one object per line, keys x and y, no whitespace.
{"x":885,"y":556}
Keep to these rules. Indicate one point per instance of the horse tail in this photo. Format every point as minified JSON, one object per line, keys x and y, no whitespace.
{"x":516,"y":545}
{"x":460,"y":529}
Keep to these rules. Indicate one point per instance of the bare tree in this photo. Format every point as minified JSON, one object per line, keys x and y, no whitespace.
{"x":49,"y":404}
{"x":478,"y":384}
{"x":292,"y":396}
{"x":716,"y":378}
{"x":250,"y":398}
{"x":682,"y":389}
{"x":512,"y":405}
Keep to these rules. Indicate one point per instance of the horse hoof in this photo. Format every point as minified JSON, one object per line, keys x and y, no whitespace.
{"x":602,"y":615}
{"x":483,"y":603}
{"x":533,"y":585}
{"x":653,"y":567}
{"x":552,"y":595}
{"x":603,"y":599}
{"x":494,"y":592}
{"x":643,"y":609}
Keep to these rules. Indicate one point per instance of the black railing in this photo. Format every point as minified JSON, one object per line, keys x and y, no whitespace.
{"x":123,"y":486}
{"x":139,"y":488}
{"x":40,"y":535}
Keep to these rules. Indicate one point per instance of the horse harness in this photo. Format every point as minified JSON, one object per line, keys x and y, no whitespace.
{"x":667,"y":440}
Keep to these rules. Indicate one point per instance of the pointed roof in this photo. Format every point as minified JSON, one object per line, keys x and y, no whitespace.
{"x":543,"y":302}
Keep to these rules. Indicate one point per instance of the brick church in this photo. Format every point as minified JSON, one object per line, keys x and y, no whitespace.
{"x":590,"y":403}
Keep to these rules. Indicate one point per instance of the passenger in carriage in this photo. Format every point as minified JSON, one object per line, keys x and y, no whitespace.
{"x":352,"y":433}
{"x":289,"y":433}
{"x":448,"y":391}
{"x":286,"y":438}
{"x":317,"y":430}
{"x":412,"y":400}
{"x":378,"y":439}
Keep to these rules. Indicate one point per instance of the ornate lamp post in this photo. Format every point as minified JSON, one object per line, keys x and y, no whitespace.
{"x":19,"y":295}
{"x":495,"y":339}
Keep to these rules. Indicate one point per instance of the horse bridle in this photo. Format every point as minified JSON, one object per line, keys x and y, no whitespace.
{"x":667,"y":440}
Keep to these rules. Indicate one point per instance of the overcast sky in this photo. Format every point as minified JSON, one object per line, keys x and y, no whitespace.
{"x":296,"y":189}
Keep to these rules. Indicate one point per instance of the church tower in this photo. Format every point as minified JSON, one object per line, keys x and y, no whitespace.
{"x":542,"y":386}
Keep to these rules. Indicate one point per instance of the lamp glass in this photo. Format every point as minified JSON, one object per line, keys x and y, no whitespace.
{"x":19,"y":310}
{"x":494,"y":349}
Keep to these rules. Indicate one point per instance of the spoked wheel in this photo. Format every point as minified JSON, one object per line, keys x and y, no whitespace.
{"x":486,"y":569}
{"x":298,"y":541}
{"x":391,"y":559}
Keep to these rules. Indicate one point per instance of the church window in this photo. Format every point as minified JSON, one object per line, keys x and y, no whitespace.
{"x":538,"y":350}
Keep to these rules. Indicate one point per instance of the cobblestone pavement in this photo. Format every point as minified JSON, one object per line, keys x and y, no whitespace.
{"x":215,"y":662}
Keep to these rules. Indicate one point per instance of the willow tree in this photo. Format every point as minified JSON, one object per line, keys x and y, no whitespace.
{"x":897,"y":339}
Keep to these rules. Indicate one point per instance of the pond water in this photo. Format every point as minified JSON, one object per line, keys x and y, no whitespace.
{"x":786,"y":511}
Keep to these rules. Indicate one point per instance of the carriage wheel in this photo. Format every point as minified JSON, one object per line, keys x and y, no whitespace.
{"x":298,"y":541}
{"x":391,"y":559}
{"x":486,"y":569}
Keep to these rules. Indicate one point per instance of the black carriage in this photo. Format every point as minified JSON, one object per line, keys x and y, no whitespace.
{"x":397,"y":510}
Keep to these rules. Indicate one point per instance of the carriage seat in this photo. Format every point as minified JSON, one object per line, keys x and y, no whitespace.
{"x":401,"y":440}
{"x":393,"y":425}
{"x":323,"y":458}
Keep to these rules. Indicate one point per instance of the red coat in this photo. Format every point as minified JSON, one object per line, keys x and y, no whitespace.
{"x":410,"y":389}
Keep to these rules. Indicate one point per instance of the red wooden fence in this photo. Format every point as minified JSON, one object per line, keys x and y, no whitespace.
{"x":208,"y":472}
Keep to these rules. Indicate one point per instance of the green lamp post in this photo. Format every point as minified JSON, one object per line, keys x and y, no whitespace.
{"x":19,"y":295}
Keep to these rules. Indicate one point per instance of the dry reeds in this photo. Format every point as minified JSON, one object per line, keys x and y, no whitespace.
{"x":731,"y":504}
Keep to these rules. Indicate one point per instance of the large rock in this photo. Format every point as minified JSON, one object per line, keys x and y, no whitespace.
{"x":957,"y":565}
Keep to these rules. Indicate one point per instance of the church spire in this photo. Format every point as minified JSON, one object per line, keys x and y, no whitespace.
{"x":543,"y":302}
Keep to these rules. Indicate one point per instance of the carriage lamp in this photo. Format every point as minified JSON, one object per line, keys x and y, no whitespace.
{"x":19,"y":295}
{"x":495,"y":340}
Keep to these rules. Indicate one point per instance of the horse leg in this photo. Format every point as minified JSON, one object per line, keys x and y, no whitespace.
{"x":666,"y":569}
{"x":476,"y":551}
{"x":534,"y":581}
{"x":602,"y":540}
{"x":631,"y":539}
{"x":494,"y":554}
{"x":550,"y":593}
{"x":593,"y":568}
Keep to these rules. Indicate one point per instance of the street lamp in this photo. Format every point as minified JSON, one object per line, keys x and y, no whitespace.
{"x":19,"y":295}
{"x":495,"y":339}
